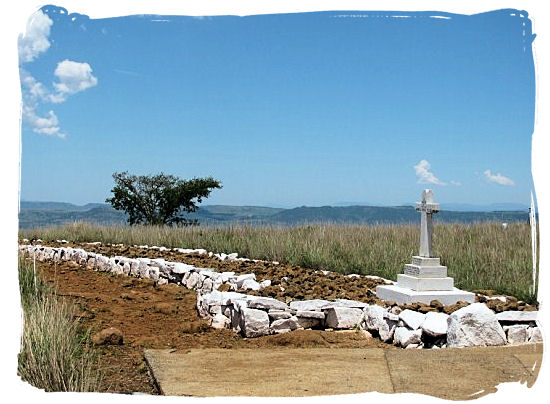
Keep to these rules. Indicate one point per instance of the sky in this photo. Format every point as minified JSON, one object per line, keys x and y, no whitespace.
{"x":285,"y":110}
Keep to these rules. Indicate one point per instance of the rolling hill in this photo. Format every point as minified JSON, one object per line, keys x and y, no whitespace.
{"x":41,"y":214}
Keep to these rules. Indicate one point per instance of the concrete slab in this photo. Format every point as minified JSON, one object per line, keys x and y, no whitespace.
{"x":405,"y":295}
{"x":269,"y":372}
{"x":462,"y":373}
{"x":457,"y":374}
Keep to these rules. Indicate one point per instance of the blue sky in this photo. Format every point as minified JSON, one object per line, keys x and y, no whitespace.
{"x":286,"y":110}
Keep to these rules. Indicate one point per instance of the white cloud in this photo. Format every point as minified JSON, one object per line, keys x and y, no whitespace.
{"x":43,"y":126}
{"x":34,"y":93}
{"x":498,"y":178}
{"x":455,"y":183}
{"x":32,"y":89}
{"x":73,"y":77}
{"x":35,"y":40}
{"x":424,"y":175}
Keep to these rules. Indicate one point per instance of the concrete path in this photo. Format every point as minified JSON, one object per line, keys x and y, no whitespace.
{"x":456,"y":374}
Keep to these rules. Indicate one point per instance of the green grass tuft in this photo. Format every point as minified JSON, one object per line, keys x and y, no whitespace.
{"x":54,"y":355}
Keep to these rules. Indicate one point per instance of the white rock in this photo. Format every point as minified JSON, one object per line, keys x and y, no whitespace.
{"x":343,"y":317}
{"x":221,"y":298}
{"x":386,"y":331}
{"x":181,"y":268}
{"x":158,"y":262}
{"x":265,"y":303}
{"x":209,"y":273}
{"x":310,"y":314}
{"x":435,"y":324}
{"x":265,"y":283}
{"x":218,"y":298}
{"x":412,"y":319}
{"x":232,"y":297}
{"x":126,"y":268}
{"x":517,"y":334}
{"x":373,"y":317}
{"x":193,"y":281}
{"x":225,"y":276}
{"x":239,"y":304}
{"x":220,"y":321}
{"x":309,"y":305}
{"x":517,"y":316}
{"x":474,"y":325}
{"x":390,"y":316}
{"x":290,"y":323}
{"x":134,"y":268}
{"x":154,"y":273}
{"x":241,"y":278}
{"x":404,"y":337}
{"x":534,"y":334}
{"x":278,"y":315}
{"x":350,"y":303}
{"x":207,"y":285}
{"x":250,"y":284}
{"x":254,"y":323}
{"x":374,"y":320}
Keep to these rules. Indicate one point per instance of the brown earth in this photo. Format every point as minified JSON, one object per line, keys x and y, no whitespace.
{"x":160,"y":317}
{"x":291,"y":282}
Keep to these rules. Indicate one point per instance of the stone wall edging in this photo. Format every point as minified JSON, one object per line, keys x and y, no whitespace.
{"x":254,"y":316}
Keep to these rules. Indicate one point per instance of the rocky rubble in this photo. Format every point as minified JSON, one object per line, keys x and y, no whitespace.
{"x":222,"y":298}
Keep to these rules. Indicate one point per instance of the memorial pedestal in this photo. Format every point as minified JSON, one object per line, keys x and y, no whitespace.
{"x":425,"y":279}
{"x":402,"y":295}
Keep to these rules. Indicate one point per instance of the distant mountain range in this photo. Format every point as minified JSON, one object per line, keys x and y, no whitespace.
{"x":41,"y":214}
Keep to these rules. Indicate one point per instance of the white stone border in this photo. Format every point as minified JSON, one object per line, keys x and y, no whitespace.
{"x":253,"y":316}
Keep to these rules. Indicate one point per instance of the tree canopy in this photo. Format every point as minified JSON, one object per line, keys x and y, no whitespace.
{"x":159,"y":199}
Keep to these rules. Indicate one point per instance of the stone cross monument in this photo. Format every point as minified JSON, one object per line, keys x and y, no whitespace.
{"x":425,"y":279}
{"x":427,"y":208}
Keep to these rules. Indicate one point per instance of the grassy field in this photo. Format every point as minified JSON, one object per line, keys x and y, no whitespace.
{"x":53,"y":354}
{"x":478,"y":256}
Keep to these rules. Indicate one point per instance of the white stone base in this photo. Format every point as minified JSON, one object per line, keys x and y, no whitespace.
{"x":403,"y":295}
{"x":433,"y":271}
{"x":425,"y":284}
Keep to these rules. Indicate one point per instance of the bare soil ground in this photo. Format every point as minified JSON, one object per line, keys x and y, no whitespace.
{"x":161,"y":317}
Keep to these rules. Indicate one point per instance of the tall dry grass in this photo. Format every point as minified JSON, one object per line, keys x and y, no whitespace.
{"x":53,"y":355}
{"x":478,"y":256}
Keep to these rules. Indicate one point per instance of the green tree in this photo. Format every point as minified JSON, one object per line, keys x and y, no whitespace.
{"x":159,"y":199}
